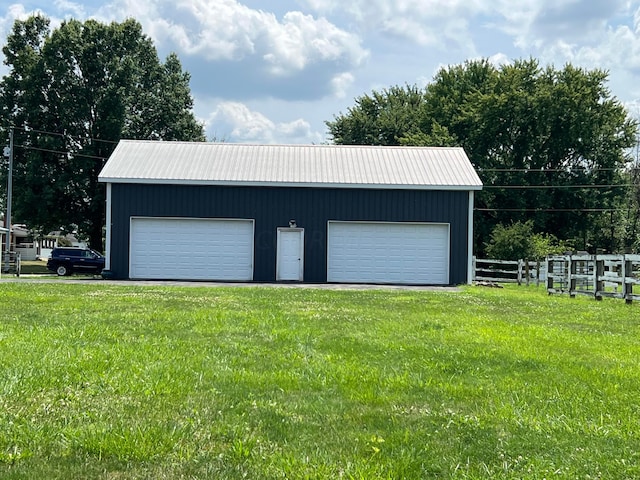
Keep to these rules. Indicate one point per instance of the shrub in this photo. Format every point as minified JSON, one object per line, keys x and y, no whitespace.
{"x":518,"y":241}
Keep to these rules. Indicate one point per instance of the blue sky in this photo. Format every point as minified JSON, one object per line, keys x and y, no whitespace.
{"x":274,"y":72}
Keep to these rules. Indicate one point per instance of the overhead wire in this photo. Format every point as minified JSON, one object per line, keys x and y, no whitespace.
{"x":479,"y":209}
{"x":77,"y":137}
{"x":551,"y":210}
{"x":547,"y":170}
{"x":59,"y":152}
{"x":547,"y":187}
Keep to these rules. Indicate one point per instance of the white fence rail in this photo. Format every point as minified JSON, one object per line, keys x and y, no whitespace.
{"x":616,"y":276}
{"x":508,"y":271}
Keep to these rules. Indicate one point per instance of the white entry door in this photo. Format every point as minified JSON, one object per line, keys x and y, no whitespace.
{"x":290,"y":256}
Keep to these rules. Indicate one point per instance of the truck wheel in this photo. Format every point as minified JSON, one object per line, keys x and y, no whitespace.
{"x":62,"y":270}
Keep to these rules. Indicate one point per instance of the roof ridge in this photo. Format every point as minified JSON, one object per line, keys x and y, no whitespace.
{"x":297,"y":165}
{"x":286,"y":145}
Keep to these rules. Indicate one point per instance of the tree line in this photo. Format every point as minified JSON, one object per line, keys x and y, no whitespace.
{"x":70,"y":95}
{"x":552,"y":147}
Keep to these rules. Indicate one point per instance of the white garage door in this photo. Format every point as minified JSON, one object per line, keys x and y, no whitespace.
{"x":191,"y":249}
{"x":412,"y":253}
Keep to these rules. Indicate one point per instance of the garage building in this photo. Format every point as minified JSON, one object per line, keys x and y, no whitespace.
{"x":308,"y":213}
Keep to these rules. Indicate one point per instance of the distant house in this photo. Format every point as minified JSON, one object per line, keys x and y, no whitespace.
{"x":32,"y":247}
{"x":24,"y":243}
{"x":52,"y":239}
{"x":21,"y":241}
{"x":346,"y":214}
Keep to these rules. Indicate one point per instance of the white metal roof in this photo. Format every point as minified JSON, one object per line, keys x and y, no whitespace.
{"x":192,"y":163}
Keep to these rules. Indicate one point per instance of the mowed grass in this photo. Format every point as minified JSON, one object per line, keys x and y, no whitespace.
{"x":34,"y":267}
{"x":122,"y":381}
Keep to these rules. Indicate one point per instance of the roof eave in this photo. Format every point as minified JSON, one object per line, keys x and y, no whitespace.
{"x":230,"y":183}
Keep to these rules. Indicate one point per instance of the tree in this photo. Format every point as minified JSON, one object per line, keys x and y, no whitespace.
{"x":549,"y":144}
{"x":518,"y":241}
{"x":631,"y":207}
{"x":71,"y":94}
{"x":394,"y":116}
{"x":632,"y":230}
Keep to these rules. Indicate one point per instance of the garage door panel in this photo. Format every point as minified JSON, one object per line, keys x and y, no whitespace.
{"x":372,"y":252}
{"x":191,"y":249}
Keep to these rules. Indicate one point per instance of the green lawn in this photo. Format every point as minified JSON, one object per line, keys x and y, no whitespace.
{"x":111,"y":381}
{"x":34,"y":267}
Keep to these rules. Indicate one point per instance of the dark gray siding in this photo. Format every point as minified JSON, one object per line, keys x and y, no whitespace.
{"x":274,"y":207}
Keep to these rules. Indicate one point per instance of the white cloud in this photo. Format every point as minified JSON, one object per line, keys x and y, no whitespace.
{"x":303,"y":59}
{"x":248,"y":52}
{"x":540,"y":23}
{"x":13,"y":13}
{"x":18,"y":11}
{"x":447,"y":23}
{"x":615,"y":47}
{"x":75,"y":10}
{"x":226,"y":30}
{"x":385,"y":9}
{"x":234,"y":121}
{"x":633,"y":107}
{"x":301,"y":39}
{"x":621,"y":48}
{"x":341,"y":83}
{"x":440,"y":23}
{"x":499,"y":59}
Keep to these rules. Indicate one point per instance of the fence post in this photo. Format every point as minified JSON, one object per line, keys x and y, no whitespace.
{"x":627,"y":288}
{"x":537,"y":273}
{"x":598,"y":271}
{"x":473,"y":268}
{"x":519,"y":272}
{"x":549,"y":263}
{"x":527,"y":272}
{"x":573,"y":268}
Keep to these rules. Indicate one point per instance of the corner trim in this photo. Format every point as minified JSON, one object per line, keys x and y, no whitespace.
{"x":107,"y":247}
{"x":470,"y":240}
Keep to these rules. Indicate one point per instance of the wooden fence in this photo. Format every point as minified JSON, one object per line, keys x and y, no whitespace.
{"x":616,"y":276}
{"x":508,"y":271}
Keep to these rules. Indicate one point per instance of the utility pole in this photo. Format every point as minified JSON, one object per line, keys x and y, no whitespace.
{"x":9,"y":188}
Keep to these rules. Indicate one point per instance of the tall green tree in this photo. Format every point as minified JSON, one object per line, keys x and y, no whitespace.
{"x":71,"y":94}
{"x":549,"y":144}
{"x":631,"y":222}
{"x":394,"y":116}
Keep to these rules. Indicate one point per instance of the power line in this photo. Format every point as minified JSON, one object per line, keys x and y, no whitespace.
{"x":552,"y":210}
{"x":525,"y":187}
{"x":492,"y":187}
{"x":545,"y":170}
{"x":504,"y":170}
{"x":59,"y":152}
{"x":29,"y":147}
{"x":77,"y":137}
